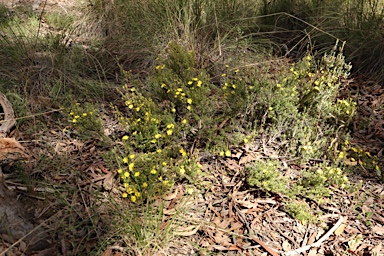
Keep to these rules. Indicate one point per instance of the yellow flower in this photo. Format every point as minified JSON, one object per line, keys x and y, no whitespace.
{"x":195,"y":79}
{"x":190,"y":191}
{"x":130,"y":106}
{"x":199,"y":83}
{"x":145,"y":184}
{"x":120,"y":171}
{"x":153,"y":171}
{"x":189,"y":101}
{"x":158,"y":150}
{"x":246,"y":140}
{"x":131,"y":156}
{"x":71,"y":113}
{"x":84,"y":114}
{"x":222,"y":153}
{"x":130,"y":166}
{"x":169,"y":132}
{"x":125,"y":137}
{"x":189,"y":108}
{"x":160,"y":178}
{"x":166,"y":182}
{"x":137,"y":174}
{"x":170,"y":126}
{"x":157,"y":136}
{"x":74,"y":120}
{"x":133,"y":198}
{"x":184,"y":121}
{"x":234,"y":86}
{"x":164,"y":163}
{"x":182,"y":170}
{"x":163,"y":85}
{"x":223,"y":75}
{"x":190,"y":82}
{"x":173,"y":110}
{"x":77,"y":116}
{"x":182,"y":152}
{"x":126,"y":174}
{"x":228,"y":153}
{"x":125,"y":160}
{"x":125,"y":195}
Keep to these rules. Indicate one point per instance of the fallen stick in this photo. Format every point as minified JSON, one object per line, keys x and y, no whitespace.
{"x":319,"y":242}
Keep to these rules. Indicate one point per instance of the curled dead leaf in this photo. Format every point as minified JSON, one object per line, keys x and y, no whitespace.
{"x":10,"y":145}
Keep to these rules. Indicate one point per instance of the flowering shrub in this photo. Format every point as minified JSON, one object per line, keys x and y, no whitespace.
{"x":177,"y":110}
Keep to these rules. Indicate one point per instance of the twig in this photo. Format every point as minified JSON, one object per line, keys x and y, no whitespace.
{"x":319,"y":242}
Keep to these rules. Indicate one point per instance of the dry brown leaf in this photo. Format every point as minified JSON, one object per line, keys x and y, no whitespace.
{"x":378,"y":230}
{"x":247,"y":204}
{"x":248,"y":158}
{"x":232,"y":165}
{"x":169,"y":212}
{"x":222,"y":239}
{"x":10,"y":145}
{"x":313,"y":252}
{"x":108,"y":181}
{"x":236,"y":227}
{"x":234,"y":247}
{"x":286,"y":246}
{"x":341,"y":228}
{"x":350,"y":163}
{"x":107,"y":252}
{"x":376,"y":250}
{"x":354,"y":242}
{"x":237,"y":155}
{"x":170,"y":196}
{"x":312,"y":238}
{"x":220,"y":247}
{"x":188,"y":231}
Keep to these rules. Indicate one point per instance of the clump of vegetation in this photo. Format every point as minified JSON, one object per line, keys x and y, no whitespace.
{"x":85,"y":122}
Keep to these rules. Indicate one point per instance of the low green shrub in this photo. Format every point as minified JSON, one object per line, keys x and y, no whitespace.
{"x":85,"y":122}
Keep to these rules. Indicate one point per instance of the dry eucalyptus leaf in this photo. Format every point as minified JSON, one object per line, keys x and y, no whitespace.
{"x":286,"y":246}
{"x":378,"y":230}
{"x":341,"y":228}
{"x":108,"y":181}
{"x":188,"y":231}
